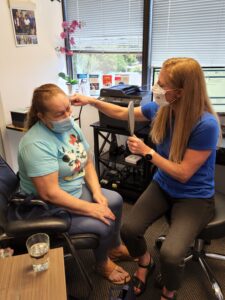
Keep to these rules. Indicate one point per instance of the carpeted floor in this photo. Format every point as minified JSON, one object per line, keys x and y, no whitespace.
{"x":195,"y":285}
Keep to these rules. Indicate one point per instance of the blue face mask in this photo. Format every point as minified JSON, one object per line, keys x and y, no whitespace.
{"x":62,"y":125}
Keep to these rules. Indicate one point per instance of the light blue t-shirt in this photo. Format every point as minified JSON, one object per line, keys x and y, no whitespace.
{"x":204,"y":136}
{"x":42,"y":152}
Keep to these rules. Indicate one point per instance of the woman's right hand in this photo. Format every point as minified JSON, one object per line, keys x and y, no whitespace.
{"x":101,"y":212}
{"x":80,"y":100}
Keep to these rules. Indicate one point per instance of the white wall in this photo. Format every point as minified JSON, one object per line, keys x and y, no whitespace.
{"x":24,"y":68}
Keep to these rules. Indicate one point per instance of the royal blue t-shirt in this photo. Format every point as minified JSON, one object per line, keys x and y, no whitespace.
{"x":204,"y":136}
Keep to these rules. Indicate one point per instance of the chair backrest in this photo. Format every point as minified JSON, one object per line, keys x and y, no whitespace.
{"x":8,"y":184}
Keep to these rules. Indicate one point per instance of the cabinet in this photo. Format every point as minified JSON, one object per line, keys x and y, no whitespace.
{"x":114,"y":173}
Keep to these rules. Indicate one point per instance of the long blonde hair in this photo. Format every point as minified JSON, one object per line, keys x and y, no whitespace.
{"x":41,"y":96}
{"x":187,"y":75}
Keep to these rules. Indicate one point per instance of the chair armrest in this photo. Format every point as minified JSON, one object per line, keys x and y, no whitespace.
{"x":49,"y":225}
{"x":85,"y":240}
{"x":27,"y":201}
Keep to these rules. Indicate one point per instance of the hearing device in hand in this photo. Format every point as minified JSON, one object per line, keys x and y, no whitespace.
{"x":131,"y":121}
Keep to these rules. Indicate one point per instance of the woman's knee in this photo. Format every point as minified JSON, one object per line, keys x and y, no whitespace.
{"x":105,"y":231}
{"x":170,"y":255}
{"x":84,"y":224}
{"x":129,"y":231}
{"x":115,"y":200}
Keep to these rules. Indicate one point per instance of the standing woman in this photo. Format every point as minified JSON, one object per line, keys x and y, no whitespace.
{"x":185,"y":130}
{"x":55,"y":163}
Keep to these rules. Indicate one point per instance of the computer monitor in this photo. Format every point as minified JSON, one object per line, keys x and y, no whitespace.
{"x":215,"y":84}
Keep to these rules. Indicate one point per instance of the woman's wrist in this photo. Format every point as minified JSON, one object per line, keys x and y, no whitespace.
{"x":92,"y":101}
{"x":149,"y":151}
{"x":97,"y":192}
{"x":85,"y":207}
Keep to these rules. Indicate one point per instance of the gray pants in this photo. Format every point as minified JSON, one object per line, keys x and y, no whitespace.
{"x":109,"y":234}
{"x":187,"y":218}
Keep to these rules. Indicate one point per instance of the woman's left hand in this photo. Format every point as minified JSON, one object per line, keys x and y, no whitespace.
{"x":80,"y":100}
{"x":137,"y":146}
{"x":100,"y":198}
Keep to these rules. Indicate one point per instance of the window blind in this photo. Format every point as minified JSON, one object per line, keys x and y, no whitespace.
{"x":107,"y":25}
{"x":190,"y":28}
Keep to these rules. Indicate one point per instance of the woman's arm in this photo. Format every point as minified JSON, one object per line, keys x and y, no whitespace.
{"x":92,"y":182}
{"x":192,"y":161}
{"x":49,"y":190}
{"x":109,"y":109}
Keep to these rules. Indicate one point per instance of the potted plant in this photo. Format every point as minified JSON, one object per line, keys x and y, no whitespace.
{"x":67,"y":78}
{"x":70,"y":82}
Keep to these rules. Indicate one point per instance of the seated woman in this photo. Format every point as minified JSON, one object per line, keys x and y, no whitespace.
{"x":185,"y":130}
{"x":55,"y":163}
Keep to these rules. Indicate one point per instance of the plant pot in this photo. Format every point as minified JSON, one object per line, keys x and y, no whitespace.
{"x":72,"y":88}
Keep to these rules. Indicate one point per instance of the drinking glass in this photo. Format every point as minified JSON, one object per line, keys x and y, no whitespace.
{"x":38,"y":248}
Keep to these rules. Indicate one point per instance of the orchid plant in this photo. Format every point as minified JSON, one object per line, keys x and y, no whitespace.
{"x":68,"y":29}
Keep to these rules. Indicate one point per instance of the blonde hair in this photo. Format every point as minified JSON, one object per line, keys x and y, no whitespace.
{"x":41,"y":96}
{"x":187,"y":75}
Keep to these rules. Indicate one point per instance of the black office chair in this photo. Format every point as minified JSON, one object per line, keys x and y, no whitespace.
{"x":214,"y":230}
{"x":56,"y":227}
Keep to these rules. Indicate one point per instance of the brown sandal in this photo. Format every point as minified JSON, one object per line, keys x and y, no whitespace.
{"x":115,"y":275}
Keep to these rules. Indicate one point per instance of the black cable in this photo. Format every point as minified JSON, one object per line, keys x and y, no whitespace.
{"x":79,"y":117}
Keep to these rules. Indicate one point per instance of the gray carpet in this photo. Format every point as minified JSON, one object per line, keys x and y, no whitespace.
{"x":195,"y":285}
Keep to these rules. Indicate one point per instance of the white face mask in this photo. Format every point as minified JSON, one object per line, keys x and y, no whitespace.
{"x":159,"y":95}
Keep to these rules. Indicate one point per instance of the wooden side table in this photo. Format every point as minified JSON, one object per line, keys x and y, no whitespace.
{"x":18,"y":281}
{"x":12,"y":127}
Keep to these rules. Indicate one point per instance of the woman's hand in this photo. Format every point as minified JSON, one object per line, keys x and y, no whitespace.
{"x":100,"y":198}
{"x":101,"y":212}
{"x":80,"y":100}
{"x":137,"y":146}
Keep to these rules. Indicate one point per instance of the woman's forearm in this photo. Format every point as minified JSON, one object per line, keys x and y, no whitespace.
{"x":181,"y":171}
{"x":91,"y":178}
{"x":109,"y":109}
{"x":184,"y":170}
{"x":55,"y":195}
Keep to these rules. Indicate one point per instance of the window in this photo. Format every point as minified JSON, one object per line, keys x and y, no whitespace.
{"x":110,"y":40}
{"x":190,"y":28}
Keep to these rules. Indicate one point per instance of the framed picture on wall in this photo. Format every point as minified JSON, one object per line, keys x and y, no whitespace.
{"x":24,"y":26}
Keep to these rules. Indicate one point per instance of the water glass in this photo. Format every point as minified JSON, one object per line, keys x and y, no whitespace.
{"x":38,"y":248}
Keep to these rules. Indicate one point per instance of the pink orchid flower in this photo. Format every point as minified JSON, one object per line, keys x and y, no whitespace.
{"x":69,"y":53}
{"x":63,"y":35}
{"x":72,"y":41}
{"x":62,"y":50}
{"x":65,"y":24}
